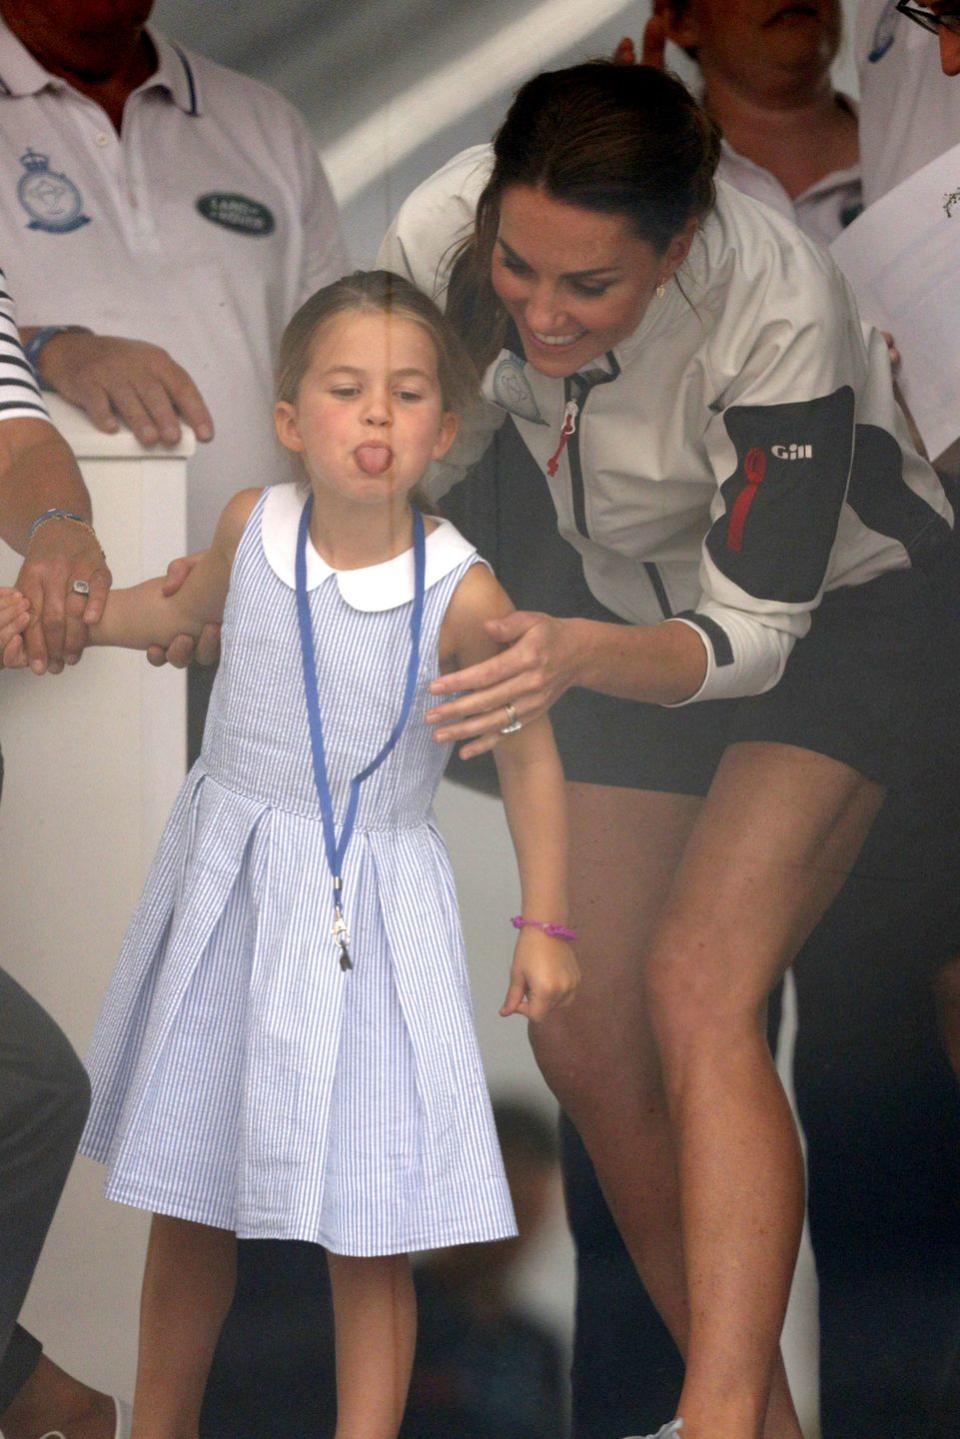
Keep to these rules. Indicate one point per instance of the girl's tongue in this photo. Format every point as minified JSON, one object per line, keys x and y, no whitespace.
{"x":374,"y":459}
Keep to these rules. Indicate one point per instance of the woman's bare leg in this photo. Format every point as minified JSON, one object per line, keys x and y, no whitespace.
{"x":188,"y":1286}
{"x":375,"y":1318}
{"x":771,"y":848}
{"x":598,"y":1055}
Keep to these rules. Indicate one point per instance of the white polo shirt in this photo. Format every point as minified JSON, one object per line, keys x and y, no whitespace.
{"x":909,"y":110}
{"x":201,"y":228}
{"x":822,"y":210}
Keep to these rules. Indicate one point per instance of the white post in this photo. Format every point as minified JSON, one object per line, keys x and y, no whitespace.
{"x":93,"y":760}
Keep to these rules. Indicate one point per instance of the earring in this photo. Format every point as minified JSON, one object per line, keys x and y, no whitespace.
{"x":661,"y":289}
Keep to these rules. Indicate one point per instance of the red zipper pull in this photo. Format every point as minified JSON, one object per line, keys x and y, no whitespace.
{"x":570,"y":411}
{"x":754,"y":469}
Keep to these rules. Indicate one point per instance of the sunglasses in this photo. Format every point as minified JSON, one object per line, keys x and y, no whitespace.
{"x":928,"y":21}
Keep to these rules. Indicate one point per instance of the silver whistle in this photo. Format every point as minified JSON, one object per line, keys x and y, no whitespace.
{"x":342,"y":938}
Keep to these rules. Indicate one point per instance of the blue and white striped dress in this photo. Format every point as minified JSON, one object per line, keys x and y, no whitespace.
{"x":240,"y":1077}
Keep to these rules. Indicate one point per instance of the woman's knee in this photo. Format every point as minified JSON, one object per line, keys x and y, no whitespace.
{"x":548,"y":1050}
{"x":698,"y":1008}
{"x":606,"y":1082}
{"x":570,"y":1059}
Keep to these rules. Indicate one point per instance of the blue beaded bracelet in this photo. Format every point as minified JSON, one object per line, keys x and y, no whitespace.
{"x":56,"y":515}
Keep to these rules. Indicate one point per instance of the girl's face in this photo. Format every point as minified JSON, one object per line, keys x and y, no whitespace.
{"x":368,"y":417}
{"x":575,"y":282}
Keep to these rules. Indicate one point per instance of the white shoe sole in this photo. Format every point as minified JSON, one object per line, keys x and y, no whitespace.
{"x":124,"y":1419}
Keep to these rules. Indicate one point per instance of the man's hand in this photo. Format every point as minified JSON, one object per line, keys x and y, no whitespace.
{"x":60,"y":552}
{"x":654,"y":47}
{"x":205,"y":650}
{"x":113,"y":379}
{"x":655,"y":37}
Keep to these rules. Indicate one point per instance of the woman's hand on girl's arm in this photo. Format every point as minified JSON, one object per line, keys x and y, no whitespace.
{"x":148,"y":615}
{"x":541,"y":662}
{"x":658,"y":664}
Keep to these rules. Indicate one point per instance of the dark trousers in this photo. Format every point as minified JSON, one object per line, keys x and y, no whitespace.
{"x":880,"y":1106}
{"x":44,"y":1098}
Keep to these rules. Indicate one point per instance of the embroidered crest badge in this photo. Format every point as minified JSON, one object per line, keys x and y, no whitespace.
{"x":51,"y":199}
{"x":511,"y":390}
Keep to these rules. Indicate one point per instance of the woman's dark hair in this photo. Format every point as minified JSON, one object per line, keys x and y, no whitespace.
{"x":623,"y":140}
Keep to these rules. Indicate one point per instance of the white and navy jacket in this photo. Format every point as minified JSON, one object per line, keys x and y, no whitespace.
{"x":740,"y":454}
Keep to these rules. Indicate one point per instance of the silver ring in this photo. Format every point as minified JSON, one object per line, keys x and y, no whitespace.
{"x":81,"y":587}
{"x":512,"y":724}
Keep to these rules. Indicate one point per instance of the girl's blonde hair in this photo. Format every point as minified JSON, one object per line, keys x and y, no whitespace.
{"x":380,"y":291}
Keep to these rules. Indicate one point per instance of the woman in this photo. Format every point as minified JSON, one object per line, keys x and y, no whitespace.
{"x":689,"y":375}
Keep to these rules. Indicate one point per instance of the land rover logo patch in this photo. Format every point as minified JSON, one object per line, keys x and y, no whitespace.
{"x":237,"y":212}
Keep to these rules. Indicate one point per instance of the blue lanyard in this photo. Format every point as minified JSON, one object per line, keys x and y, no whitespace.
{"x":336,"y":849}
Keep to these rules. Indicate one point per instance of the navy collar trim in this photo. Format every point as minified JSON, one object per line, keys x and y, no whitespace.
{"x":193,"y":109}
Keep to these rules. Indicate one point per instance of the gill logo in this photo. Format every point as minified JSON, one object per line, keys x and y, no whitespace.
{"x":792,"y":452}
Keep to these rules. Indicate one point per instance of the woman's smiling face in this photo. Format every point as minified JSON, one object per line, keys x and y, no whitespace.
{"x":575,"y":282}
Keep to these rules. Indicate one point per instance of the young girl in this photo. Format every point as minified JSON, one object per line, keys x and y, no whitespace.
{"x":287,"y":1049}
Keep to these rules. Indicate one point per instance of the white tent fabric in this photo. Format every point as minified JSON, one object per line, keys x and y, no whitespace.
{"x":392,"y":88}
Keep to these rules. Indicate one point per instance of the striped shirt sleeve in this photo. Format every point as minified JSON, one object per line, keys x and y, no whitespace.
{"x":19,"y":392}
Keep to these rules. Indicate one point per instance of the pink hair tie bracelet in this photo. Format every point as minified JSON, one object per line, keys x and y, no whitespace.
{"x":555,"y":931}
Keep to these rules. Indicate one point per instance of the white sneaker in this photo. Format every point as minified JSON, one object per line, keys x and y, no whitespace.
{"x":124,"y":1419}
{"x":121,"y":1428}
{"x":673,"y":1430}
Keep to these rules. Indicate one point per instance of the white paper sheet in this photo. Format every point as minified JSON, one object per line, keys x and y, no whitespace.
{"x":902,"y":257}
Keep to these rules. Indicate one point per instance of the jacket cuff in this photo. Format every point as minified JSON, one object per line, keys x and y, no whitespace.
{"x":743,"y":657}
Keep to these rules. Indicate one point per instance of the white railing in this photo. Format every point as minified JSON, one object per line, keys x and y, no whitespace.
{"x":93,"y":758}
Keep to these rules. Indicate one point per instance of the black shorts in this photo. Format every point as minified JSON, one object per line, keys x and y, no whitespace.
{"x":870,"y":685}
{"x":867,"y":686}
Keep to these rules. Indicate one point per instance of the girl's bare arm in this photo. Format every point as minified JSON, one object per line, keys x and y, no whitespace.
{"x":142,"y":615}
{"x":544,"y":971}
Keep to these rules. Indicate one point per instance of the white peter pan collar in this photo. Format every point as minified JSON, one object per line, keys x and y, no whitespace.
{"x":375,"y":587}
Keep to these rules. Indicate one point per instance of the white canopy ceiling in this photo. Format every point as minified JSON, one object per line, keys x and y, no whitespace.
{"x":392,"y":88}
